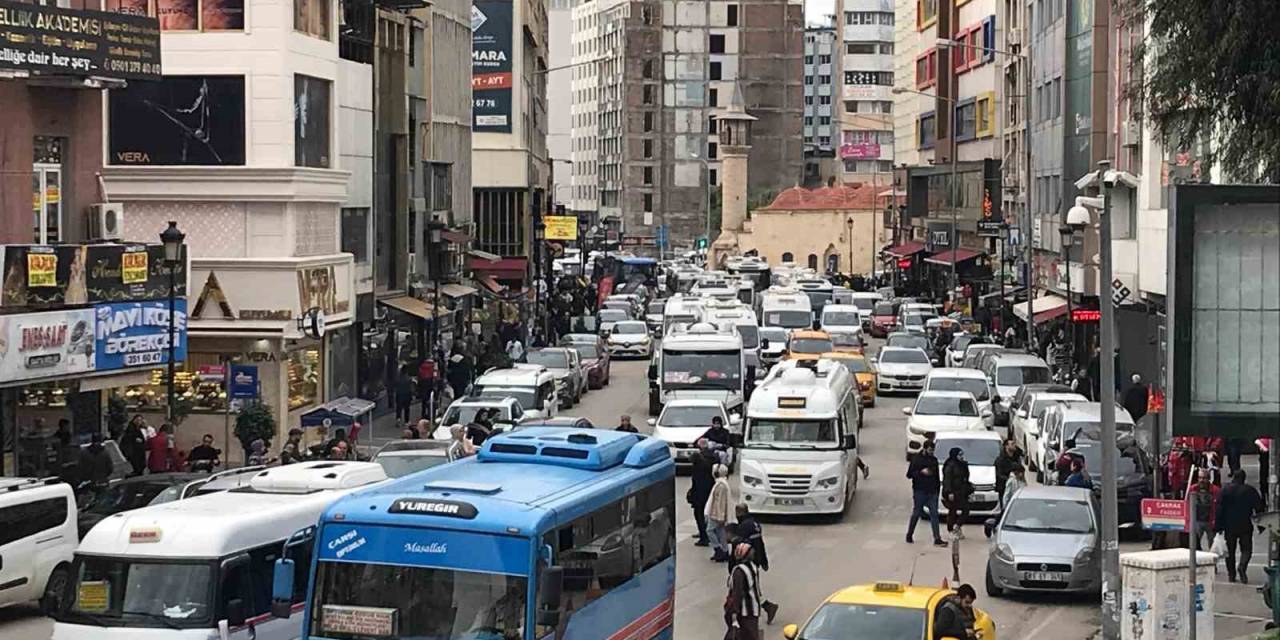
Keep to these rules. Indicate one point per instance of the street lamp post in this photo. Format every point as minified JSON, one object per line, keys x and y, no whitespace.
{"x":848,"y":223}
{"x":172,"y":239}
{"x":1068,"y":233}
{"x":539,"y":232}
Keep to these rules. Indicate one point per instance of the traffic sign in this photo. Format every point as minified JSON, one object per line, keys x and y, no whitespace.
{"x":1164,"y":515}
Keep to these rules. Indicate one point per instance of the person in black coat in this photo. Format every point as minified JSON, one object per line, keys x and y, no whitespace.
{"x":701,"y":480}
{"x":956,"y":490}
{"x":748,"y":530}
{"x":1237,"y":504}
{"x":1135,"y":398}
{"x":1011,"y":456}
{"x":955,"y":617}
{"x":923,"y":473}
{"x":133,"y":445}
{"x":404,"y":394}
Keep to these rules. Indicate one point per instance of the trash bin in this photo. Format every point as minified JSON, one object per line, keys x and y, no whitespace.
{"x":1154,"y":601}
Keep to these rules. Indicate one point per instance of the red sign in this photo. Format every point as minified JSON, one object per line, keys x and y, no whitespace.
{"x":1086,"y":315}
{"x":904,"y":263}
{"x":1166,"y":515}
{"x":43,"y":337}
{"x":1155,"y":401}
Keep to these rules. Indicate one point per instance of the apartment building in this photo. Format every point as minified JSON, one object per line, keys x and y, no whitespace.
{"x":866,"y":73}
{"x":821,"y":92}
{"x":606,"y":37}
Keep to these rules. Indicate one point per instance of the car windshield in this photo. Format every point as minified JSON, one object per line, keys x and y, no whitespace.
{"x":551,"y":359}
{"x":931,"y":405}
{"x":855,"y":365}
{"x":774,"y":432}
{"x":976,"y":386}
{"x":750,"y":335}
{"x":979,"y":451}
{"x":811,"y":345}
{"x":463,"y":414}
{"x":1013,"y":376}
{"x":1127,"y":463}
{"x":836,"y":621}
{"x":1049,"y":516}
{"x":775,"y":335}
{"x":397,"y":466}
{"x":702,"y":369}
{"x":131,"y":495}
{"x":908,"y":341}
{"x":612,"y":315}
{"x":913,"y":319}
{"x":903,"y":356}
{"x":416,"y":602}
{"x":656,"y":308}
{"x":145,"y":594}
{"x":630,"y":328}
{"x":689,"y":416}
{"x":586,"y":351}
{"x":864,"y":304}
{"x":524,"y":395}
{"x":792,"y":319}
{"x":846,"y":340}
{"x":883,"y":309}
{"x":840,"y":318}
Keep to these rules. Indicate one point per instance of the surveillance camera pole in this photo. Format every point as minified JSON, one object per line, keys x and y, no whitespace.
{"x":1110,"y":534}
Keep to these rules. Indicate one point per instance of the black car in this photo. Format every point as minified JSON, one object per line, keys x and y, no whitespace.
{"x":138,"y":492}
{"x":1133,"y":475}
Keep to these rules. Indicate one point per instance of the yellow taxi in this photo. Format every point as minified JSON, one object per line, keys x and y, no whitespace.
{"x":862,"y":371}
{"x":882,"y":610}
{"x":809,"y":345}
{"x":847,"y":342}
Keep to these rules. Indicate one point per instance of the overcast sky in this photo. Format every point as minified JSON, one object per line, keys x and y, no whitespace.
{"x":816,"y":11}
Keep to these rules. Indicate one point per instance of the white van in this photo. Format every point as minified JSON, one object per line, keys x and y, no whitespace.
{"x":799,"y":449}
{"x":786,"y":308}
{"x":202,"y":568}
{"x":37,"y":541}
{"x":533,"y":385}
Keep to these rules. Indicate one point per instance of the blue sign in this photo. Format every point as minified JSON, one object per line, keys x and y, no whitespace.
{"x":425,"y":547}
{"x":136,"y":334}
{"x":244,"y":381}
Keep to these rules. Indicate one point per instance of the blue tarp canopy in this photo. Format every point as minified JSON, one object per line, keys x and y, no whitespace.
{"x":342,"y":412}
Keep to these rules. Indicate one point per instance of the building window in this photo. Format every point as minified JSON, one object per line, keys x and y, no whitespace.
{"x":441,"y":186}
{"x":808,"y":80}
{"x":966,"y":120}
{"x":926,"y":14}
{"x":859,"y":48}
{"x":824,"y":59}
{"x":713,"y":97}
{"x":717,"y":43}
{"x":310,"y":121}
{"x":824,"y":99}
{"x":713,"y":176}
{"x":824,"y":79}
{"x":787,"y":257}
{"x":648,"y":148}
{"x":986,"y":114}
{"x":732,"y":17}
{"x":886,"y":18}
{"x":1055,"y":98}
{"x":808,"y":59}
{"x":355,"y":233}
{"x":712,"y":148}
{"x":824,"y":141}
{"x":46,"y":187}
{"x":886,"y":47}
{"x":808,"y":101}
{"x":813,"y":261}
{"x":808,"y":121}
{"x":648,"y":203}
{"x":927,"y":69}
{"x":647,"y":94}
{"x":648,"y":121}
{"x":711,"y":125}
{"x":311,"y":17}
{"x":823,"y":120}
{"x":926,"y":130}
{"x":715,"y":71}
{"x":647,"y":175}
{"x":648,"y":70}
{"x":185,"y":15}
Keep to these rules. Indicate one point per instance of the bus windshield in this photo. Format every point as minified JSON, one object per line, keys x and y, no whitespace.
{"x":702,"y":370}
{"x":416,"y":602}
{"x":750,"y":335}
{"x":144,"y":594}
{"x":777,"y":432}
{"x":793,"y":319}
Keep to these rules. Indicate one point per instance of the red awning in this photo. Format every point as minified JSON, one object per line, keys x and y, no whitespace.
{"x":952,"y":255}
{"x":456,"y":237}
{"x":506,"y":268}
{"x":905,"y":249}
{"x":489,"y":283}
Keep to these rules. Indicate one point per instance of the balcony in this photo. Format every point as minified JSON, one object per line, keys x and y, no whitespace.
{"x":868,"y":62}
{"x":868,"y":33}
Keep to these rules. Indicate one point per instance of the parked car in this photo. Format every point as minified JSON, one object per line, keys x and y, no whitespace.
{"x":884,"y":319}
{"x":939,"y":411}
{"x":973,"y":353}
{"x":970,"y":380}
{"x":1066,"y":421}
{"x":1007,"y":372}
{"x":1023,"y":392}
{"x":1024,"y":426}
{"x":1047,"y":540}
{"x":911,"y":341}
{"x":593,"y":355}
{"x":1134,"y":468}
{"x":38,"y":543}
{"x":606,"y":318}
{"x":136,"y":492}
{"x":566,"y":366}
{"x":955,"y":350}
{"x":403,"y":457}
{"x":654,"y":315}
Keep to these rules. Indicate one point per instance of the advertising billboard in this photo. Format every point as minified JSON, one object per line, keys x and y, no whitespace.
{"x":70,"y":42}
{"x":46,"y":345}
{"x":136,"y":334}
{"x":491,"y":37}
{"x":37,"y":275}
{"x":860,"y":151}
{"x":181,"y":120}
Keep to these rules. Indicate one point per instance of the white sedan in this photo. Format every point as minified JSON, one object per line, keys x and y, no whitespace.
{"x":939,"y":411}
{"x":980,"y":450}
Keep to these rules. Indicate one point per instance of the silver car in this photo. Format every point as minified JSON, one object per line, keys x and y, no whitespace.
{"x":1046,"y":540}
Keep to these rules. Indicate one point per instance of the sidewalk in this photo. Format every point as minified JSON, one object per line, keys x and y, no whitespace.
{"x":1239,"y":611}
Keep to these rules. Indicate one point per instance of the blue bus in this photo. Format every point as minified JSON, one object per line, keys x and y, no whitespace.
{"x":546,"y":533}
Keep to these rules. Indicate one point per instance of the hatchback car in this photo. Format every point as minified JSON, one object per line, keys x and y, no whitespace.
{"x":564,"y":364}
{"x":939,"y":411}
{"x":403,"y":457}
{"x":1047,"y":540}
{"x":606,"y":318}
{"x":630,"y":338}
{"x":593,"y":355}
{"x":970,"y":380}
{"x":980,"y":450}
{"x":683,"y":422}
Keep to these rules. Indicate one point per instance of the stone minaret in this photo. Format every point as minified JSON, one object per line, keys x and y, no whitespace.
{"x":735,"y":146}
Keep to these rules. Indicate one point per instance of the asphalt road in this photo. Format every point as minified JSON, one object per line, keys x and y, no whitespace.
{"x":811,"y":558}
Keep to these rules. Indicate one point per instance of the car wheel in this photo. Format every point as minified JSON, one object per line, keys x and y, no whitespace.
{"x":993,"y":590}
{"x":56,"y":591}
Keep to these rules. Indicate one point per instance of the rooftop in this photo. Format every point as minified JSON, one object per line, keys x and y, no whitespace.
{"x":824,"y":198}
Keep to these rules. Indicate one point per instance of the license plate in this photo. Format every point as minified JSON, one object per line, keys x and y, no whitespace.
{"x":1044,"y":576}
{"x":682,"y":455}
{"x":788,"y":502}
{"x":984,"y":496}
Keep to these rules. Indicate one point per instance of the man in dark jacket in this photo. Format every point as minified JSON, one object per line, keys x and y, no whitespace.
{"x":923,"y":473}
{"x":1237,"y":504}
{"x":1135,"y":398}
{"x":956,"y":490}
{"x":95,"y":463}
{"x":750,"y":532}
{"x":955,"y":617}
{"x":701,"y":480}
{"x":1010,"y":456}
{"x":404,"y":394}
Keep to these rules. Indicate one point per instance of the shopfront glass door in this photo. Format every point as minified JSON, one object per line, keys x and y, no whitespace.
{"x":46,"y":189}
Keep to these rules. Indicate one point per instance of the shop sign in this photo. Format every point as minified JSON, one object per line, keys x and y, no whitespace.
{"x":491,"y":79}
{"x":136,"y":334}
{"x":37,"y":275}
{"x":41,"y":345}
{"x":860,"y":151}
{"x":904,"y":263}
{"x":48,"y":40}
{"x":244,"y":381}
{"x":561,"y":227}
{"x":1086,"y":315}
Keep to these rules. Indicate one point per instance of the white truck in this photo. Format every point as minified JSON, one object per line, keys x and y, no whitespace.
{"x":700,"y":361}
{"x":799,"y":450}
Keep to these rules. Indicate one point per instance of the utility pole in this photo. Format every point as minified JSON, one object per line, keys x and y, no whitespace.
{"x":1110,"y":533}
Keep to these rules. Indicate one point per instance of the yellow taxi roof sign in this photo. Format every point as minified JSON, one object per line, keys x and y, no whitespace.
{"x":888,"y":585}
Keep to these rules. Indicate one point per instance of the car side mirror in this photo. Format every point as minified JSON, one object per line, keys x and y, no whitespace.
{"x":986,"y":413}
{"x":652,"y":422}
{"x":764,"y":343}
{"x":236,"y":613}
{"x":989,"y":526}
{"x":850,"y":442}
{"x":550,"y":588}
{"x":282,"y":588}
{"x":906,"y":411}
{"x":790,"y":632}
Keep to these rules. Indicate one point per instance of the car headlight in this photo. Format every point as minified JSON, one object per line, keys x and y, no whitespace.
{"x":1085,"y":556}
{"x":752,"y":481}
{"x":1003,"y":552}
{"x":827,"y":483}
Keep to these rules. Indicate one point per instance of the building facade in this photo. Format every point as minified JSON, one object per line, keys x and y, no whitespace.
{"x":866,"y":73}
{"x":821,"y":92}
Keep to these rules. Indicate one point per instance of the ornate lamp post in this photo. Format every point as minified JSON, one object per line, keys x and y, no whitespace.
{"x":172,"y":238}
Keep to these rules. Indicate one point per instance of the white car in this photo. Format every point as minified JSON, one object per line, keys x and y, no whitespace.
{"x":566,"y":366}
{"x":630,"y":338}
{"x":841,"y":318}
{"x":1024,"y":425}
{"x":39,"y":542}
{"x":777,"y":337}
{"x":683,"y":421}
{"x":507,"y":412}
{"x":606,"y":319}
{"x":939,"y":411}
{"x":902,"y":369}
{"x":980,"y":450}
{"x":970,"y":380}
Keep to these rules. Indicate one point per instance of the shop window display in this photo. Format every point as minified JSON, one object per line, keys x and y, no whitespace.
{"x":200,"y":381}
{"x":304,"y":377}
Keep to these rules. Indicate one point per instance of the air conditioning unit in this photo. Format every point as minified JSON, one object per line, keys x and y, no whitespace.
{"x":1130,"y":133}
{"x":106,"y":221}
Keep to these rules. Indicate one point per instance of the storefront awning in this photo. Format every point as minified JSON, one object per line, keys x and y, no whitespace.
{"x":489,"y":283}
{"x":411,"y":306}
{"x":457,"y":290}
{"x":905,"y":249}
{"x":342,"y":412}
{"x":1045,"y":308}
{"x":952,"y":255}
{"x":507,"y":268}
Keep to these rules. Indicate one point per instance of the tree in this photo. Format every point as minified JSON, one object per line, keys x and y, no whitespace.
{"x":255,"y":422}
{"x":1213,"y":73}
